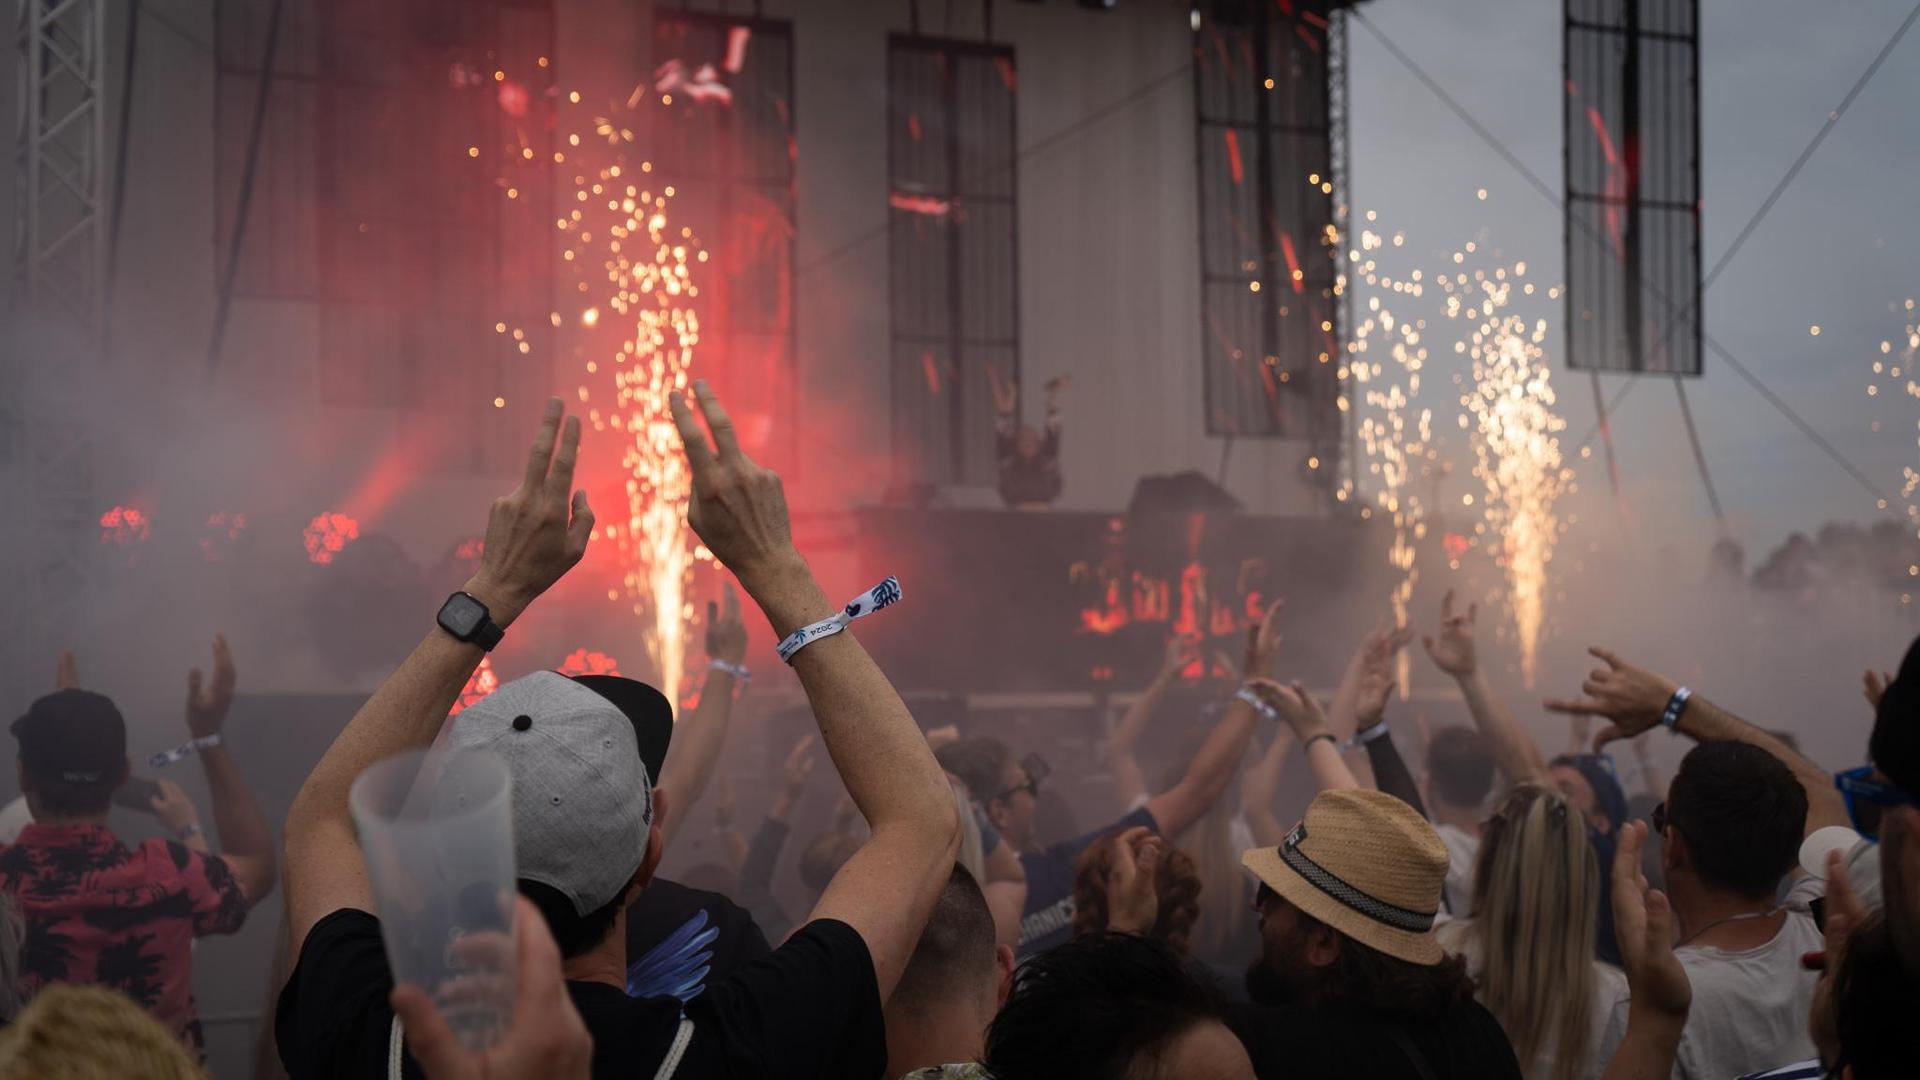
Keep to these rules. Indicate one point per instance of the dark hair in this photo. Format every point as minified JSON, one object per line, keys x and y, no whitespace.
{"x":575,"y":934}
{"x":1874,"y":1001}
{"x":1609,"y":798}
{"x":1894,"y":746}
{"x":980,"y":762}
{"x":1177,"y":883}
{"x":1742,"y":814}
{"x":823,"y":857}
{"x":1364,"y":978}
{"x":954,"y":951}
{"x":1460,"y":762}
{"x":62,"y":799}
{"x":1093,"y":1007}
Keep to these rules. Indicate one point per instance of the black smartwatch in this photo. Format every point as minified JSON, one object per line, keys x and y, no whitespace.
{"x":469,"y":620}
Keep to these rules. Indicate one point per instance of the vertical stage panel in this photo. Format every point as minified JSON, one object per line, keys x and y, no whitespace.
{"x":1632,"y":127}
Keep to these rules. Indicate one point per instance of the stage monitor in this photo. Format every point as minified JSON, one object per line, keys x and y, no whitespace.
{"x":1632,"y":125}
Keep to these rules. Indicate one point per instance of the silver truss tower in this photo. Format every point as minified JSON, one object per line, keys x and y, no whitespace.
{"x":53,"y":333}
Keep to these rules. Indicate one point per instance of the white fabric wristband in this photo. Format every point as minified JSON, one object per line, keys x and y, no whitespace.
{"x":168,"y":757}
{"x":1247,"y":695}
{"x":738,"y":671}
{"x":885,"y":594}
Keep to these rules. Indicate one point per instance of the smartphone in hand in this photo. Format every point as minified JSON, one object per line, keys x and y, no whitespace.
{"x":137,"y":793}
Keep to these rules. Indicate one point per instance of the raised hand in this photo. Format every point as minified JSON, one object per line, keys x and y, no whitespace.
{"x":738,"y":509}
{"x":726,"y":633}
{"x":1133,"y":899}
{"x":1180,"y":651}
{"x":537,"y":533}
{"x":1377,"y":678}
{"x":174,"y":809}
{"x":1263,"y":643}
{"x":1006,"y":393}
{"x":546,"y":1039}
{"x":1633,"y":698}
{"x":799,"y":765}
{"x":1295,"y":705}
{"x":1875,"y":686}
{"x":207,"y":704}
{"x":66,"y":674}
{"x":1643,"y":924}
{"x":1453,"y":650}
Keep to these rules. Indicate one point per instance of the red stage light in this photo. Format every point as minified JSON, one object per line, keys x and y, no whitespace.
{"x":587,"y":662}
{"x":327,"y":534}
{"x":481,"y":683}
{"x":223,"y":529}
{"x":123,"y":525}
{"x":1455,"y":544}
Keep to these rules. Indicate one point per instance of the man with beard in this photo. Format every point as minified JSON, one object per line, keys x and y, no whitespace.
{"x":1350,"y":981}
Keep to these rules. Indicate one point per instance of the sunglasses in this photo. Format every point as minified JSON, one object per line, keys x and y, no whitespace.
{"x":1866,"y":798}
{"x":1037,"y":770}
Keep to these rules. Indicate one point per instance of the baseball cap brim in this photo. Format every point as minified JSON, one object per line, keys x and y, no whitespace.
{"x":647,"y":709}
{"x":1414,"y":947}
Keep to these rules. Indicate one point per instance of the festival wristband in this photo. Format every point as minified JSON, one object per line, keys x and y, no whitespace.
{"x":1676,"y":705}
{"x":738,"y":671}
{"x":1247,"y":695}
{"x":885,"y":594}
{"x":1365,"y":736}
{"x":168,"y":757}
{"x":1316,"y":737}
{"x":188,"y":831}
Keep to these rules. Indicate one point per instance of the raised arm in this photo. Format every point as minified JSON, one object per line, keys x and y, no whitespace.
{"x":1261,"y":785}
{"x":887,"y":889}
{"x":1660,"y":995}
{"x":1301,"y":713}
{"x":1634,"y":699}
{"x":1129,"y":782}
{"x":701,"y":735}
{"x":246,"y":842}
{"x":531,"y":541}
{"x":1226,"y":746}
{"x":1453,"y":652}
{"x":1372,"y":690}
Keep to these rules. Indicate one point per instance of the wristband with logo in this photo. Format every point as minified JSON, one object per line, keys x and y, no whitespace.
{"x":885,"y":594}
{"x":1676,"y":705}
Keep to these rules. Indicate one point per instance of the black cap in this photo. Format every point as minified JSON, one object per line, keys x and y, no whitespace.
{"x":72,"y":736}
{"x":645,"y":708}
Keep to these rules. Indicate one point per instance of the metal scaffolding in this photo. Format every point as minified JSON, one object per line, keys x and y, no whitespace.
{"x":1338,"y":105}
{"x":56,"y":291}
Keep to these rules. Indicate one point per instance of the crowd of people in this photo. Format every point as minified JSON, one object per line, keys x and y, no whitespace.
{"x":1505,"y":913}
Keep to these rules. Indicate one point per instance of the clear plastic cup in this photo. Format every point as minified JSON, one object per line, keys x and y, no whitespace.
{"x":436,"y":828}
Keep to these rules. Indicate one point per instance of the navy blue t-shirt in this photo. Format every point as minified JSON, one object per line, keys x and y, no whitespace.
{"x":1047,"y":920}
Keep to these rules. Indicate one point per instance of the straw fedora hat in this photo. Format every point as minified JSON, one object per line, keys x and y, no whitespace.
{"x":1366,"y":864}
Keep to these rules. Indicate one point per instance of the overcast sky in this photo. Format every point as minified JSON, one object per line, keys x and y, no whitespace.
{"x":1836,"y":250}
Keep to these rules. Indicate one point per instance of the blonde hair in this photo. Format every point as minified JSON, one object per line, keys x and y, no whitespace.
{"x":91,"y":1033}
{"x":1227,"y":924}
{"x":1536,"y":887}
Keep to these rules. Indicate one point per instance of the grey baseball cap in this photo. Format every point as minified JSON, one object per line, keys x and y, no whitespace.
{"x":585,"y":753}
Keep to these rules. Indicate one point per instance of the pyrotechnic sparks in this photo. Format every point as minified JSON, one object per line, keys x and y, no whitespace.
{"x":1384,"y":363}
{"x":631,"y":272}
{"x":1895,"y":385}
{"x":1515,"y":442}
{"x":124,"y":525}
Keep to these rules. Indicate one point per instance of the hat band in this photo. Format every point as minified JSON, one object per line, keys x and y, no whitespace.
{"x":1378,"y":910}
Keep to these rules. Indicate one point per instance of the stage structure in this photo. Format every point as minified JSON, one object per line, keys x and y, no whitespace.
{"x":722,"y":134}
{"x":56,"y":291}
{"x":1267,"y":82}
{"x":405,"y":188}
{"x":1632,"y":130}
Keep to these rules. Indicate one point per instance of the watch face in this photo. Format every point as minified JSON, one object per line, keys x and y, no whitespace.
{"x":461,"y":615}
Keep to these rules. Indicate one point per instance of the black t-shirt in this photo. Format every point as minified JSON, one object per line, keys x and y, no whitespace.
{"x":1047,"y":920}
{"x":810,"y":1008}
{"x":1464,"y":1043}
{"x":681,"y":940}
